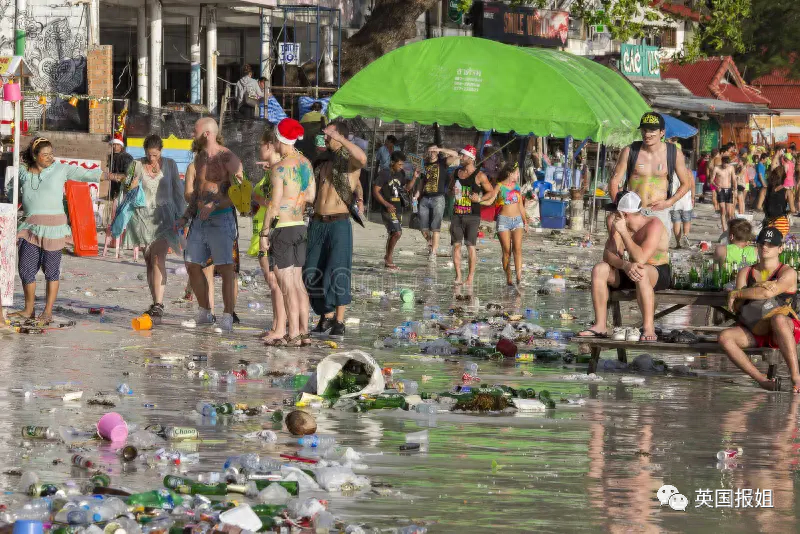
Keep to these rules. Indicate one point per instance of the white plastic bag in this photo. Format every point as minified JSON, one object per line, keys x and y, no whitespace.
{"x":333,"y":478}
{"x":308,"y":507}
{"x":274,"y":494}
{"x":328,"y":368}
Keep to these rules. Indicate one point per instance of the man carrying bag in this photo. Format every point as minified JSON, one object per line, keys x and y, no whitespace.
{"x":763,"y":301}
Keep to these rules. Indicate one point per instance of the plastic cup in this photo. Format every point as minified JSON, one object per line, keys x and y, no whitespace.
{"x":406,"y":295}
{"x":143,"y":322}
{"x":112,"y":427}
{"x":28,"y":526}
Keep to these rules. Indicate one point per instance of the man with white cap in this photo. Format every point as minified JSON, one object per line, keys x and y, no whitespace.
{"x":636,"y":256}
{"x":118,"y":162}
{"x":293,"y":185}
{"x":466,"y":181}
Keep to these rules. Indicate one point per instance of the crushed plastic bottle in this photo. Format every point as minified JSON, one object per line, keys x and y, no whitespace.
{"x":256,"y":370}
{"x":206,"y":409}
{"x":317,"y":441}
{"x":124,"y":389}
{"x":729,"y":454}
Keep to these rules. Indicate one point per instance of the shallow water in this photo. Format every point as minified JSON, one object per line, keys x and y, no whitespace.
{"x":578,"y":468}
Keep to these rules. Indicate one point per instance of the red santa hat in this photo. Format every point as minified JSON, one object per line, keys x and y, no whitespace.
{"x":470,"y":151}
{"x":117,"y":140}
{"x":289,"y":131}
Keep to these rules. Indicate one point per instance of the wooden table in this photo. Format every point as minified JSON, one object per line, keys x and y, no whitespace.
{"x":678,"y":299}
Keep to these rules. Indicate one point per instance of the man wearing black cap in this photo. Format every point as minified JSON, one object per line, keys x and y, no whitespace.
{"x":651,"y":168}
{"x":771,"y":281}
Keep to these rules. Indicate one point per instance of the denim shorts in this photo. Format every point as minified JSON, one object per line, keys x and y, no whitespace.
{"x":431,"y":213}
{"x":681,"y":216}
{"x":505,"y":224}
{"x":212,"y":239}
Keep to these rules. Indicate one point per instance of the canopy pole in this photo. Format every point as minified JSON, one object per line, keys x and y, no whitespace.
{"x":372,"y":167}
{"x":592,"y":226}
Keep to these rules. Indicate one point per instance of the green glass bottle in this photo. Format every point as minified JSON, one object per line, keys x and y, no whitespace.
{"x":225,"y":408}
{"x":187,"y":486}
{"x":694,"y":276}
{"x":381,"y":402}
{"x":44,"y":489}
{"x":101,"y":479}
{"x":544,"y":397}
{"x":716,"y":279}
{"x":161,"y":498}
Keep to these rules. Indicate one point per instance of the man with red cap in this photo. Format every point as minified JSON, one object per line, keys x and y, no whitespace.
{"x":293,"y":186}
{"x":466,"y":214}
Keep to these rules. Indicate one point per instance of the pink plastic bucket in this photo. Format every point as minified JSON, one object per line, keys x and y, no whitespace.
{"x":12,"y":92}
{"x":112,"y":427}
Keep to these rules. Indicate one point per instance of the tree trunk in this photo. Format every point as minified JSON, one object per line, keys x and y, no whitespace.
{"x":391,"y":23}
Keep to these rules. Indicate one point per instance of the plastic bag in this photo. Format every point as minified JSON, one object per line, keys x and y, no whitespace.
{"x":274,"y":494}
{"x":308,"y":507}
{"x":333,"y":478}
{"x":331,"y":365}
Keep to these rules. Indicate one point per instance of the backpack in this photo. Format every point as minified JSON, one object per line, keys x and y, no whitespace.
{"x":633,"y":155}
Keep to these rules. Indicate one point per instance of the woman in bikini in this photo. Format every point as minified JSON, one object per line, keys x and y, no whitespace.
{"x":512,"y":218}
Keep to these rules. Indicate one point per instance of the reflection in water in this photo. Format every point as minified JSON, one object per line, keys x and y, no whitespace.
{"x":580,"y":468}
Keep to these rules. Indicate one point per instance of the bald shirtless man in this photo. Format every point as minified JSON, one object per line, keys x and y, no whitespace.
{"x":646,"y":241}
{"x":293,"y":185}
{"x":647,"y":175}
{"x":329,"y":263}
{"x":213,"y":231}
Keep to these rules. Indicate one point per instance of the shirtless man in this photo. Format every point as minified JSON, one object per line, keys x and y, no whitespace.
{"x":327,"y":272}
{"x":213,"y":231}
{"x":293,"y":185}
{"x":724,"y":179}
{"x":648,"y":177}
{"x":646,"y":240}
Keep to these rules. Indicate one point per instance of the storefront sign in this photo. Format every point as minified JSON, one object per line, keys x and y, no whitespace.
{"x":640,"y":60}
{"x":520,"y":25}
{"x":289,"y":53}
{"x":454,"y":14}
{"x":709,"y":135}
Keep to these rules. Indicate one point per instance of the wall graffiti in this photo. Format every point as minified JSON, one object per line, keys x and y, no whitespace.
{"x":56,"y":54}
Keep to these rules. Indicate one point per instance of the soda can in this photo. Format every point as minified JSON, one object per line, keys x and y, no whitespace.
{"x":97,"y":311}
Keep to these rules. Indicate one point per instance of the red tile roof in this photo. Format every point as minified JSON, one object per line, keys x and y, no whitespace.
{"x":782,"y":92}
{"x":704,"y":78}
{"x":678,"y":10}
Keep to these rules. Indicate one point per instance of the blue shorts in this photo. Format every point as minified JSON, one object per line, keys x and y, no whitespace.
{"x":681,"y":216}
{"x":431,"y":213}
{"x":506,"y":224}
{"x":211,"y":239}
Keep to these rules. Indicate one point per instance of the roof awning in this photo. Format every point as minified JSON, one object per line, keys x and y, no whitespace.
{"x":707,"y":105}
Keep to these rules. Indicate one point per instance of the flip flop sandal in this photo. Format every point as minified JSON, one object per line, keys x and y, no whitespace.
{"x":306,"y":340}
{"x":275,"y":342}
{"x":592,"y":335}
{"x":296,"y":341}
{"x":391,"y":267}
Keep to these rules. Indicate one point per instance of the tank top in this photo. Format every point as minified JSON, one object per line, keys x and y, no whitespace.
{"x":751,"y":281}
{"x":463,"y":204}
{"x":775,"y":204}
{"x":735,"y":254}
{"x":508,"y":195}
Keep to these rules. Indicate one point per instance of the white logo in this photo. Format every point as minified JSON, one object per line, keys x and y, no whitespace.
{"x":670,"y":495}
{"x":768,"y":235}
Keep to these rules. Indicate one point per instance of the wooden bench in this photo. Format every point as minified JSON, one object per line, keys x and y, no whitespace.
{"x":703,"y":348}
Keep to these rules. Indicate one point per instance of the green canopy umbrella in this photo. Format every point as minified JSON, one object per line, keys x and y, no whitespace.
{"x":482,"y":84}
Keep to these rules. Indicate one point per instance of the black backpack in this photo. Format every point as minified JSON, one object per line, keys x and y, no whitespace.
{"x":633,"y":154}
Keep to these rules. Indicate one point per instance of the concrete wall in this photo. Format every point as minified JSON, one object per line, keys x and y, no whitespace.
{"x":55,"y":51}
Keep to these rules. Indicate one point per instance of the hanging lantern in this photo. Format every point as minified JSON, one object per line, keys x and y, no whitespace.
{"x":42,"y":100}
{"x":94,"y":104}
{"x":12,"y":92}
{"x":73,"y":101}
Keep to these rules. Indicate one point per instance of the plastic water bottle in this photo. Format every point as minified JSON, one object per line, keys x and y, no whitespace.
{"x":108,"y":509}
{"x":36,"y":510}
{"x":245,"y":461}
{"x":531,"y":314}
{"x":425,"y":408}
{"x":457,"y":190}
{"x":409,"y":387}
{"x":414,"y":206}
{"x":471,"y":368}
{"x":206,"y":409}
{"x":254,"y":305}
{"x":729,"y":454}
{"x":256,"y":370}
{"x":82,"y":461}
{"x":317,"y":441}
{"x":124,"y":389}
{"x":553,"y":334}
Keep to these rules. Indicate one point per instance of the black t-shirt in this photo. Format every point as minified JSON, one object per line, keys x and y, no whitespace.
{"x":391,"y":183}
{"x":435,"y":176}
{"x":118,"y":164}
